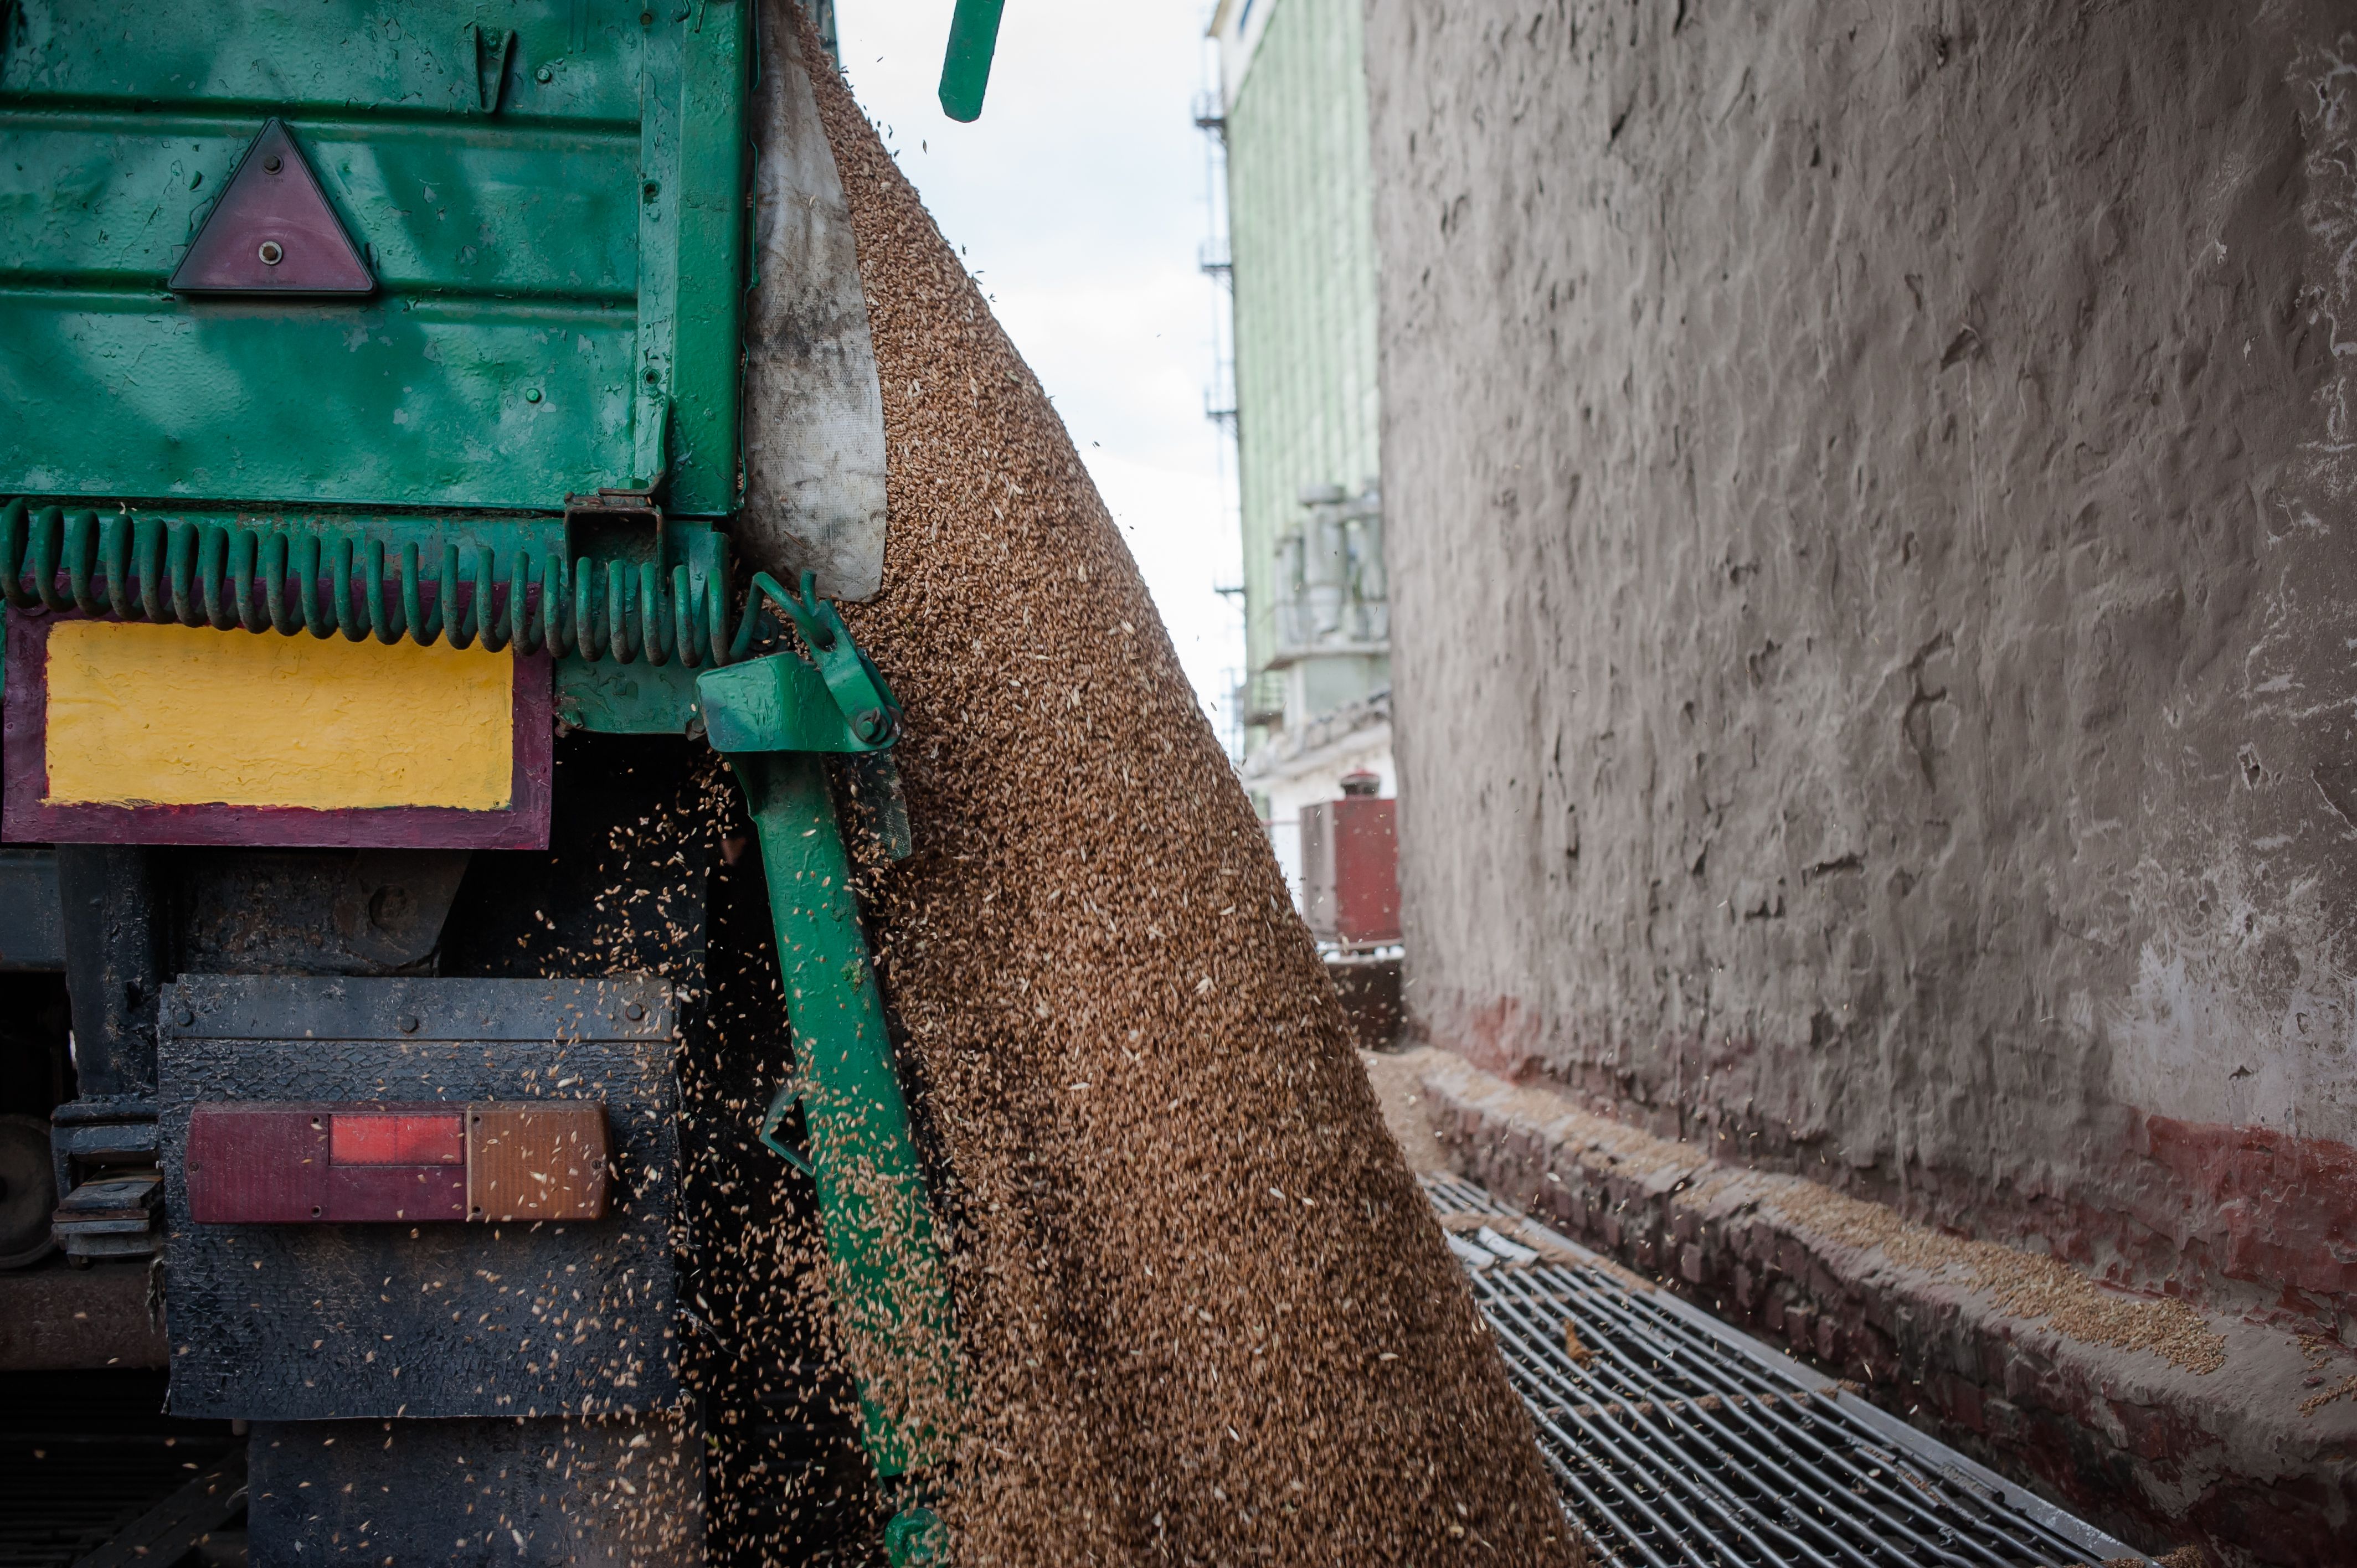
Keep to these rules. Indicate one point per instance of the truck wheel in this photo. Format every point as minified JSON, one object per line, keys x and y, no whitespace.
{"x":28,"y":1191}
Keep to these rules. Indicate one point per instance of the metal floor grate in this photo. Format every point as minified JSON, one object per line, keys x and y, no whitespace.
{"x":1679,"y":1443}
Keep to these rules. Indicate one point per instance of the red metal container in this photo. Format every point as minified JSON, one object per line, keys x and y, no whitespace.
{"x":1349,"y":870}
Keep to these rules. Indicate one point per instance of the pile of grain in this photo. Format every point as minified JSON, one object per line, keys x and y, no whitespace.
{"x":2026,"y":1284}
{"x":1207,"y":1314}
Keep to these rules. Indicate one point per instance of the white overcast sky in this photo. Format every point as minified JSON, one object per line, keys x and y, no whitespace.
{"x":1078,"y":199}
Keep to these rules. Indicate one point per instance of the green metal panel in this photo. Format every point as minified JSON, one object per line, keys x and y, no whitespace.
{"x":637,"y":698}
{"x":552,"y":212}
{"x":1301,"y":228}
{"x":365,"y":404}
{"x":424,"y":57}
{"x":659,"y":261}
{"x":545,"y":190}
{"x":709,"y":241}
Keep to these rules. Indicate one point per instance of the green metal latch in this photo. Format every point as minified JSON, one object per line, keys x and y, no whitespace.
{"x":784,"y":703}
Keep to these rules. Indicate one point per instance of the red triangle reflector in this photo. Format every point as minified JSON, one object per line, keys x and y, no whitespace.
{"x":273,"y":231}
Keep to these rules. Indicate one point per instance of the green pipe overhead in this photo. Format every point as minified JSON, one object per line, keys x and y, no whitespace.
{"x":965,"y":70}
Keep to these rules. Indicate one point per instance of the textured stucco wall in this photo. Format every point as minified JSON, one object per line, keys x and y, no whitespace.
{"x":1873,"y":493}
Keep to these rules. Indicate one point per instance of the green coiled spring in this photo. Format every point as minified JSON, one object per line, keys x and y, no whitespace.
{"x":143,"y":568}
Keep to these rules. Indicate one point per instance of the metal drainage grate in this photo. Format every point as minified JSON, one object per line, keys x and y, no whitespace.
{"x":1679,"y":1443}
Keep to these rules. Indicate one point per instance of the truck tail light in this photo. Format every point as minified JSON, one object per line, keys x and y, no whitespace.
{"x":396,"y":1138}
{"x":339,"y":1164}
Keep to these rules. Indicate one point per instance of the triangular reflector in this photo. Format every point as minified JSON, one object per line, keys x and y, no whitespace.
{"x":273,"y":231}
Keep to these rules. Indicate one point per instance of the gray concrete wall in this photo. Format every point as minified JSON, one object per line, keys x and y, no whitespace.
{"x":1874,"y":546}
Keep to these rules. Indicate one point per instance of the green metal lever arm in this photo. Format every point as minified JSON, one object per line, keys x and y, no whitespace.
{"x":775,"y":718}
{"x":890,"y":1287}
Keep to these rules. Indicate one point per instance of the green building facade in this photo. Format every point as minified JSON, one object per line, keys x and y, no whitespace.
{"x":1301,"y":236}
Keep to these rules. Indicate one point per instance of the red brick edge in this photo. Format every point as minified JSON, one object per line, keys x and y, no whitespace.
{"x":2152,"y":1452}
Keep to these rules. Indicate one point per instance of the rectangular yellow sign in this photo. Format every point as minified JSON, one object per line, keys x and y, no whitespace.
{"x":176,"y":715}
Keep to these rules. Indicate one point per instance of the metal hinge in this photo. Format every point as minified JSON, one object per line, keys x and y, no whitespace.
{"x":601,"y":522}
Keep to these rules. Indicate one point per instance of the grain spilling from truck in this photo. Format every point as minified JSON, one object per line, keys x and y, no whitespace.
{"x":1205,"y":1312}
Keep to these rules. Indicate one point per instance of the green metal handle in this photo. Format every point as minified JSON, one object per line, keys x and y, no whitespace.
{"x":965,"y":69}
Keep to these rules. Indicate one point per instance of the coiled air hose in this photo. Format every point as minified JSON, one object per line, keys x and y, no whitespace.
{"x":143,"y":568}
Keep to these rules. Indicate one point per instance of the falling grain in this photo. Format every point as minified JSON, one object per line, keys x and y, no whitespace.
{"x":1207,"y":1314}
